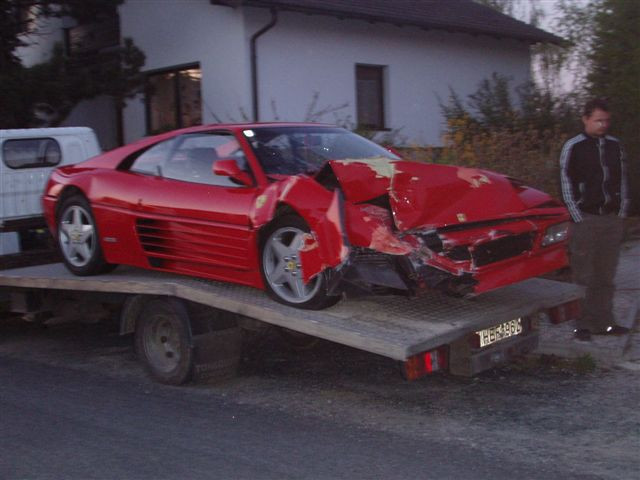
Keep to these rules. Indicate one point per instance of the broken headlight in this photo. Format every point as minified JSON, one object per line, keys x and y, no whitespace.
{"x":556,"y":233}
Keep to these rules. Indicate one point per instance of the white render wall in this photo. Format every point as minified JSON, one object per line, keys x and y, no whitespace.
{"x":307,"y":54}
{"x":304,"y":54}
{"x":173,"y":33}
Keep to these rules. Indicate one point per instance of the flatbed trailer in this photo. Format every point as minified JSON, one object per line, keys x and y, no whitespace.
{"x":428,"y":333}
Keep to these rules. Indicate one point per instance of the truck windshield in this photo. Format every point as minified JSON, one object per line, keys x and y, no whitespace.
{"x":305,"y":149}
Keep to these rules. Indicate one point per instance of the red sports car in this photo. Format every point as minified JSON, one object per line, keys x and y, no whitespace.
{"x":307,"y":212}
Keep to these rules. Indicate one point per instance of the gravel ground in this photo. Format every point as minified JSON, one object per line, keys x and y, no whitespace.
{"x":542,"y":411}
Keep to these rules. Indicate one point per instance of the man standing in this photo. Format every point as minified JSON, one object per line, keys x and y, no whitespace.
{"x":594,"y":187}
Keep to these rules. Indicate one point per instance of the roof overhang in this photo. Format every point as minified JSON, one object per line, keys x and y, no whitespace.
{"x":430,"y":19}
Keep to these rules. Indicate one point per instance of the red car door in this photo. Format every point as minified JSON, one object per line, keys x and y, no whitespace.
{"x":186,"y":219}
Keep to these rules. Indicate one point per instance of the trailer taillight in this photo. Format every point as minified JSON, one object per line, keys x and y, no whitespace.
{"x":424,"y":363}
{"x":565,"y":312}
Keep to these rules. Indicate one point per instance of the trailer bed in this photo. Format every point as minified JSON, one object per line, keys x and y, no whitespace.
{"x":392,"y":326}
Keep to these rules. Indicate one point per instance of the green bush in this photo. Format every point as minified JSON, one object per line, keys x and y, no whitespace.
{"x":521,"y":139}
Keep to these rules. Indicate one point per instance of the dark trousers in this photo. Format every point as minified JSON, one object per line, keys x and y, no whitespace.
{"x":595,"y":248}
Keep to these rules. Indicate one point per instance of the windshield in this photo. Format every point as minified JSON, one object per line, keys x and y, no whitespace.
{"x":305,"y":149}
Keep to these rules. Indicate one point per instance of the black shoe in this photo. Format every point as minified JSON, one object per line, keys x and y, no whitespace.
{"x":613,"y":330}
{"x":582,"y":334}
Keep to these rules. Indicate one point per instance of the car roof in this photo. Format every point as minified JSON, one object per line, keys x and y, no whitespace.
{"x":248,"y":126}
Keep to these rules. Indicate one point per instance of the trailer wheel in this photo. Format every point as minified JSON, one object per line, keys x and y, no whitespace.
{"x":163,"y":341}
{"x":280,"y":266}
{"x":78,"y":238}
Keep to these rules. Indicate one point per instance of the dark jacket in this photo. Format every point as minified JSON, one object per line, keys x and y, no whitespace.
{"x":593,"y":176}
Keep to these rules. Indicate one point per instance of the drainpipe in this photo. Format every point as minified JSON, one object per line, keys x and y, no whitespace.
{"x":254,"y":61}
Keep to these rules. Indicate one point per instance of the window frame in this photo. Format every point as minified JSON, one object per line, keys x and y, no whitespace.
{"x":174,"y":144}
{"x":381,"y":73}
{"x":176,"y":69}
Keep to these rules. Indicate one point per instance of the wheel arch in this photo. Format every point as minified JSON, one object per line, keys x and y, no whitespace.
{"x":68,"y":192}
{"x":326,"y":221}
{"x":282,"y":209}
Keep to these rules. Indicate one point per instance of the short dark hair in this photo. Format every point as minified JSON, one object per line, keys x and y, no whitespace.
{"x":595,"y":104}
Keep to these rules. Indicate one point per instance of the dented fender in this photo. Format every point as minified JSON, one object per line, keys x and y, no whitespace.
{"x":326,"y":246}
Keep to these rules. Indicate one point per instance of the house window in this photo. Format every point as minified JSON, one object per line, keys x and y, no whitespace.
{"x":370,"y":96}
{"x":173,"y":99}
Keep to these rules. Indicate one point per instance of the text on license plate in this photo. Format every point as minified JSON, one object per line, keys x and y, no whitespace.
{"x":498,"y":332}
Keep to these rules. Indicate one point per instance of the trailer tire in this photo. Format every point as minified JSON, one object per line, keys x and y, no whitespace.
{"x":78,"y":238}
{"x":163,"y":341}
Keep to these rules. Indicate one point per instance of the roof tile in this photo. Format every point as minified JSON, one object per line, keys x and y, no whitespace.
{"x":453,"y":15}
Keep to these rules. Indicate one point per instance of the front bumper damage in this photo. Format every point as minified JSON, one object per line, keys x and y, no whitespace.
{"x":369,"y":272}
{"x":463,"y":260}
{"x":367,"y":244}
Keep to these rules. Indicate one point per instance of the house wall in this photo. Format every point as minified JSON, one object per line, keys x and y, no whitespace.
{"x":304,"y":54}
{"x":178,"y":33}
{"x":308,"y":54}
{"x":99,"y":114}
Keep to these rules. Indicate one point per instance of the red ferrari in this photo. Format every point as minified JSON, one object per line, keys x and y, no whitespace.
{"x":307,"y":212}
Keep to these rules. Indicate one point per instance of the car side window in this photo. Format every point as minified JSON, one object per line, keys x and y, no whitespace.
{"x":192,"y":159}
{"x":151,"y":161}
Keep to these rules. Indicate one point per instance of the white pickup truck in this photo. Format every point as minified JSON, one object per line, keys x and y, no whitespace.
{"x":27,"y":157}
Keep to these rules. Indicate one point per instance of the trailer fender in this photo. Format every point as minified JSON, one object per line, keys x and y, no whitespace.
{"x":130,"y":312}
{"x":135,"y":305}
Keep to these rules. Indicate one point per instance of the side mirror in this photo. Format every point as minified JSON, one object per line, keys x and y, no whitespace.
{"x":228,"y":167}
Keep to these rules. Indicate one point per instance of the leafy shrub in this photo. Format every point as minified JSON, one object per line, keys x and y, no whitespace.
{"x":521,"y":139}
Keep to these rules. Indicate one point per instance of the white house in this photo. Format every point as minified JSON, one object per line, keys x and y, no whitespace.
{"x":377,"y":63}
{"x":380,"y":64}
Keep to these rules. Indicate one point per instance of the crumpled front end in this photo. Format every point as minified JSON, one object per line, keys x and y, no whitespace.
{"x":410,"y":228}
{"x":460,"y":261}
{"x":482,"y":257}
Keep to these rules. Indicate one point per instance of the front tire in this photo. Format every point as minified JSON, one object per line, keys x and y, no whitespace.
{"x":281,"y":269}
{"x":78,"y":238}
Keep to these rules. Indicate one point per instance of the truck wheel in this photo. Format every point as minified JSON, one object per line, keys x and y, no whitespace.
{"x":163,"y":341}
{"x":280,"y":266}
{"x":78,"y":238}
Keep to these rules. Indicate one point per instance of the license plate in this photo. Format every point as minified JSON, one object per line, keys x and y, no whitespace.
{"x":500,"y":332}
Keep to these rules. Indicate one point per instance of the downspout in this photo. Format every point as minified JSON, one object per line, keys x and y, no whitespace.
{"x":254,"y":61}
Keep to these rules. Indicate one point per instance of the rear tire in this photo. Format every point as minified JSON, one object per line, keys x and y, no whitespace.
{"x":79,"y":239}
{"x":280,"y":266}
{"x":163,"y":341}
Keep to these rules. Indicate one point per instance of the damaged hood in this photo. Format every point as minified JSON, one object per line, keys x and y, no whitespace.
{"x":427,"y":195}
